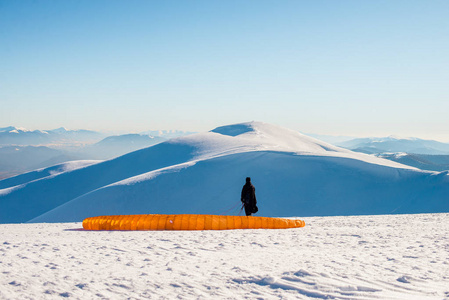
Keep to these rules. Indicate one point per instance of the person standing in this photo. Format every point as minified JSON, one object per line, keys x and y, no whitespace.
{"x":248,"y":198}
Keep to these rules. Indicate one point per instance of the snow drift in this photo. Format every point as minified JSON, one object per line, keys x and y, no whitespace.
{"x":294,"y":175}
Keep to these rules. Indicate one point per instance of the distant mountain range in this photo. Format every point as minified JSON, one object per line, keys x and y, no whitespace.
{"x":395,"y":144}
{"x":23,"y":150}
{"x":117,"y":145}
{"x":392,"y":144}
{"x":15,"y":160}
{"x":331,"y":139}
{"x":17,"y":136}
{"x":23,"y":137}
{"x":420,"y":161}
{"x":167,"y":134}
{"x":423,"y":154}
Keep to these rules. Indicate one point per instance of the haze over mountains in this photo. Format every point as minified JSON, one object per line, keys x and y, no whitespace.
{"x":16,"y":136}
{"x":294,"y":175}
{"x":22,"y":137}
{"x":396,"y":144}
{"x":420,"y":161}
{"x":423,"y":154}
{"x":419,"y":153}
{"x":23,"y":150}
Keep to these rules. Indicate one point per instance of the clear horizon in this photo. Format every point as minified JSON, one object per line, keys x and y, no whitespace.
{"x":345,"y":68}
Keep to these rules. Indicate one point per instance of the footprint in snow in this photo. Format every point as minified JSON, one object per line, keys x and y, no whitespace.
{"x":404,"y":279}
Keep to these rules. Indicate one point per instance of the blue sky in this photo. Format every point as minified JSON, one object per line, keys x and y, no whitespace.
{"x":362,"y":68}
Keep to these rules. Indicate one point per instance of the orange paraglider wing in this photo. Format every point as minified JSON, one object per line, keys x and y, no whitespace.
{"x":187,"y":222}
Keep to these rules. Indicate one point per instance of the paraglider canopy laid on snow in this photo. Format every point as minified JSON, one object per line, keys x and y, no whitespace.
{"x":187,"y":222}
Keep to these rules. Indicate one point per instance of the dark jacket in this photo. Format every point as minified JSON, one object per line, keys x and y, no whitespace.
{"x":248,"y":197}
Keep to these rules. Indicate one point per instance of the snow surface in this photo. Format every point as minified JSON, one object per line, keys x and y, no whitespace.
{"x":357,"y":257}
{"x":294,"y":175}
{"x":46,"y":173}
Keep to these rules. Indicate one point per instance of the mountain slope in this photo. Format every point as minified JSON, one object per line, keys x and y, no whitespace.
{"x":294,"y":175}
{"x":45,"y":172}
{"x":286,"y":185}
{"x":114,"y":146}
{"x":22,"y":202}
{"x":20,"y":159}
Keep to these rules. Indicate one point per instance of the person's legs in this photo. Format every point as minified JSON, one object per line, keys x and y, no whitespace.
{"x":247,"y":211}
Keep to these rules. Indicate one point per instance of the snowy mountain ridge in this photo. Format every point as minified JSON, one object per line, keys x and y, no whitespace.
{"x":61,"y":130}
{"x":14,"y":129}
{"x":295,"y":175}
{"x":21,"y":136}
{"x":258,"y":136}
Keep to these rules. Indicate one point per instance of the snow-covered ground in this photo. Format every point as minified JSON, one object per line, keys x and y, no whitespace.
{"x":357,"y":257}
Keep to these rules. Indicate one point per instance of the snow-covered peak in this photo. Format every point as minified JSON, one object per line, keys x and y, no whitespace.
{"x":59,"y":130}
{"x":259,"y":136}
{"x":252,"y":136}
{"x":396,"y":138}
{"x":13,"y":129}
{"x":8,"y":129}
{"x":236,"y":129}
